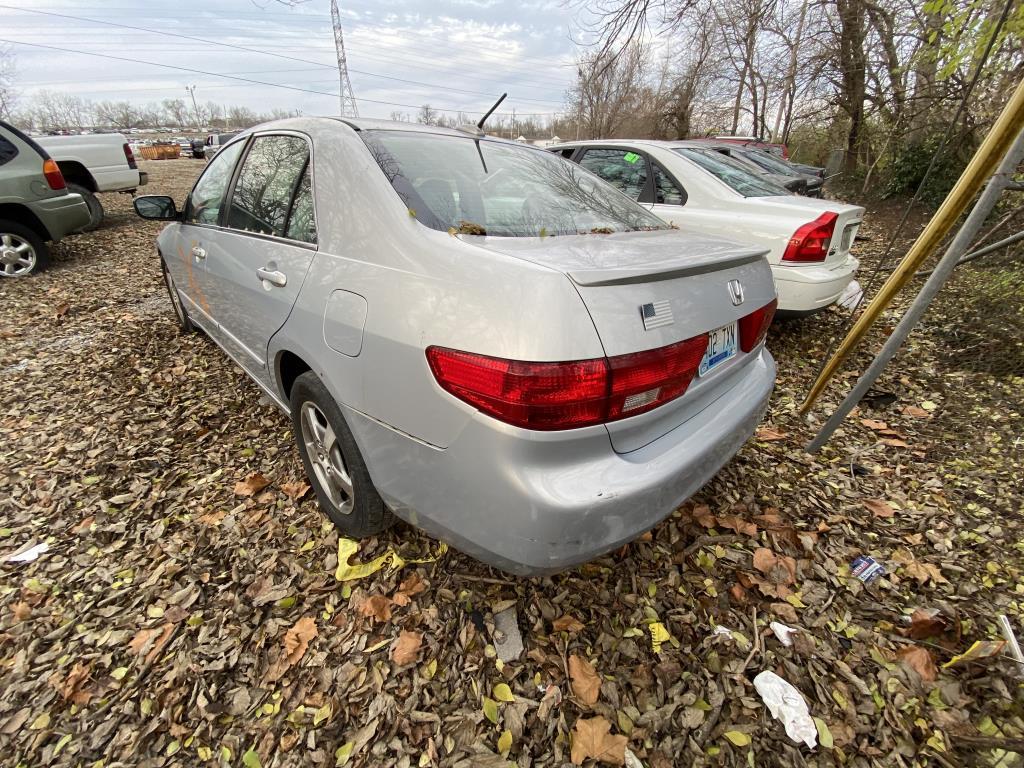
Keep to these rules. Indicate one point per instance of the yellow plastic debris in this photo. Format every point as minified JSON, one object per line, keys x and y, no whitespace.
{"x":347,"y":572}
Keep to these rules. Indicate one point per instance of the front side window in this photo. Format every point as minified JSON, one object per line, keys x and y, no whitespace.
{"x":619,"y":167}
{"x":666,"y":192}
{"x":482,"y":186}
{"x":207,"y":198}
{"x":267,"y":183}
{"x":731,"y":173}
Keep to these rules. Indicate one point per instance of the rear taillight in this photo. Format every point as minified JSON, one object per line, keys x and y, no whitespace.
{"x":129,"y":156}
{"x":580,"y":393}
{"x":810,"y":242}
{"x":53,"y":175}
{"x":754,"y":327}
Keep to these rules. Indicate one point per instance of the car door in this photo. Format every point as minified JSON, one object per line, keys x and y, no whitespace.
{"x":265,"y":247}
{"x":622,"y":168}
{"x":197,"y":236}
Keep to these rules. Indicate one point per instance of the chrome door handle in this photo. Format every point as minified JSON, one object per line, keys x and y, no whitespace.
{"x":199,"y":253}
{"x":273,"y":277}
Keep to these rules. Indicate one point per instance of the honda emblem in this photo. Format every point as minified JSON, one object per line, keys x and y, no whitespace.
{"x":736,"y":292}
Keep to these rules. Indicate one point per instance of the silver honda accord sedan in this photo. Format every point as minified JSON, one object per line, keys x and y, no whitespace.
{"x":472,"y":334}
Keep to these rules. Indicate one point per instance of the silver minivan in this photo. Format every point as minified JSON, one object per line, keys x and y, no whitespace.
{"x":477,"y":336}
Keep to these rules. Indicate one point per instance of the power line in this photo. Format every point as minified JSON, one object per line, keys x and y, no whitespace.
{"x":239,"y":47}
{"x":255,"y":82}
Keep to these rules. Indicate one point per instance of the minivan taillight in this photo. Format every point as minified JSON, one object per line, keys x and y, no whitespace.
{"x":53,"y":175}
{"x":568,"y":395}
{"x":129,"y":156}
{"x":754,"y":327}
{"x":810,"y":242}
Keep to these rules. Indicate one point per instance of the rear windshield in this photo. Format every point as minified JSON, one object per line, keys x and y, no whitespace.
{"x":731,"y":173}
{"x":481,"y":186}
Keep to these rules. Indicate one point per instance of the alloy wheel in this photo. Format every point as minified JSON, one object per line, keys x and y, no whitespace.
{"x":325,"y":457}
{"x":17,"y":256}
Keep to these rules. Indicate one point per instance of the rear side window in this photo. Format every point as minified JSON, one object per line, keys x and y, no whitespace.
{"x":301,"y":222}
{"x":207,"y":198}
{"x":267,"y":183}
{"x":666,"y":191}
{"x":7,"y":151}
{"x":619,"y":167}
{"x":731,"y":173}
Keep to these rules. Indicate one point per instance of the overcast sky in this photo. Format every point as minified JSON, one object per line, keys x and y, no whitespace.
{"x":465,"y":51}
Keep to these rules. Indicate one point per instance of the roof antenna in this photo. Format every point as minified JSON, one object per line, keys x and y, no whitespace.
{"x":483,"y":119}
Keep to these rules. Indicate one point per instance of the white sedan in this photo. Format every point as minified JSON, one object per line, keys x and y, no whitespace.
{"x":701,"y":191}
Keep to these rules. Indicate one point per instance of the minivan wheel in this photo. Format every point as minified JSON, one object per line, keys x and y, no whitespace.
{"x":22,"y":251}
{"x":333,"y":463}
{"x":94,"y":205}
{"x":180,"y":313}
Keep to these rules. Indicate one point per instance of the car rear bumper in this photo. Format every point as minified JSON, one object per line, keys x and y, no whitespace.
{"x":808,"y":288}
{"x":62,"y":215}
{"x":534,"y":503}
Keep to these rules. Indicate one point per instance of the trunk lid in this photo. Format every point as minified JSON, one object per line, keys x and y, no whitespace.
{"x":683,"y":282}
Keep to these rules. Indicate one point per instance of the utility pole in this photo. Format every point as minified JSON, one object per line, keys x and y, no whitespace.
{"x":191,"y":90}
{"x":346,"y":97}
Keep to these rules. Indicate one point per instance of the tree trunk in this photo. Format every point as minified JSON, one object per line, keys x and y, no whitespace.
{"x":852,"y":63}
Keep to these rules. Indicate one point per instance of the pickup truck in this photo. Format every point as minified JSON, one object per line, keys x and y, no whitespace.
{"x":95,"y":163}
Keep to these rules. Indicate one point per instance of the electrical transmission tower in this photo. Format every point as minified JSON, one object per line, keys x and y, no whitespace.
{"x":347,"y":98}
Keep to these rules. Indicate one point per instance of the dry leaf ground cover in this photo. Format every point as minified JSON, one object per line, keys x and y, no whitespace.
{"x":187,"y":610}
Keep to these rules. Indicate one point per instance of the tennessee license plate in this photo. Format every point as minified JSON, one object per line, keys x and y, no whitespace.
{"x":721,"y":347}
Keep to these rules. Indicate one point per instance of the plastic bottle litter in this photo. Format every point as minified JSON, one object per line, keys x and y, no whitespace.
{"x":788,"y":706}
{"x":867,"y":569}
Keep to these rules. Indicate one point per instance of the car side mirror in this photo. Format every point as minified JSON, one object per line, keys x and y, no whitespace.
{"x":157,"y":207}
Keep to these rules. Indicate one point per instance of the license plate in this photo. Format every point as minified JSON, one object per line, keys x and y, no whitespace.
{"x":848,"y":233}
{"x":721,"y":347}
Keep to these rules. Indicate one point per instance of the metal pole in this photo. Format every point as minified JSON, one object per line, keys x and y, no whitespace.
{"x":934,"y":284}
{"x":978,"y":170}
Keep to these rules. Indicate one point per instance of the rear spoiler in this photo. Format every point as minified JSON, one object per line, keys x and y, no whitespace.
{"x":697,"y":265}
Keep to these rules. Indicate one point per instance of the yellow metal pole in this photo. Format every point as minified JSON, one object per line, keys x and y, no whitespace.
{"x":977,"y":172}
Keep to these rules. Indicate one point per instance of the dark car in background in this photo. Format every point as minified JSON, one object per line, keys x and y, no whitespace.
{"x":795,"y":183}
{"x":766,"y":163}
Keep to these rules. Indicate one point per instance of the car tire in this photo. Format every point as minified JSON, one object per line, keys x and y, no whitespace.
{"x":22,"y":251}
{"x":333,"y":463}
{"x":184,"y":322}
{"x":95,"y":207}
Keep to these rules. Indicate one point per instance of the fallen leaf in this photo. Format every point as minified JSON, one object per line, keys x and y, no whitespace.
{"x":879,"y":508}
{"x":702,"y":514}
{"x":920,"y":660}
{"x":411,"y":585}
{"x":738,"y":524}
{"x":143,"y":638}
{"x":294,"y":645}
{"x":592,"y":738}
{"x":767,"y":435}
{"x":586,"y":683}
{"x":70,"y":689}
{"x":739,"y":738}
{"x":567,"y":623}
{"x":84,"y":525}
{"x":490,"y":708}
{"x":21,"y":610}
{"x":924,"y":572}
{"x":874,"y":424}
{"x":917,"y":413}
{"x":980,"y":649}
{"x":925,"y":624}
{"x":780,"y":569}
{"x":252,"y":484}
{"x":296,"y":490}
{"x":377,"y":607}
{"x":659,"y":635}
{"x":505,"y":743}
{"x":503,"y":693}
{"x":895,"y":443}
{"x":406,"y":648}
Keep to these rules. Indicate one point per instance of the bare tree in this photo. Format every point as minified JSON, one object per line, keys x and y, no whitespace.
{"x":7,"y":70}
{"x":177,"y":112}
{"x":428,"y":115}
{"x":122,"y":115}
{"x":60,"y":111}
{"x":607,"y":90}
